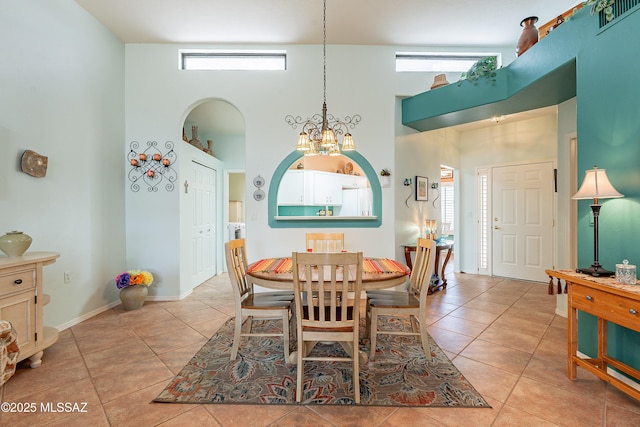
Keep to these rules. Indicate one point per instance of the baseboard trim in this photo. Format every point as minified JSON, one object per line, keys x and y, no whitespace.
{"x":86,"y":316}
{"x":109,"y":306}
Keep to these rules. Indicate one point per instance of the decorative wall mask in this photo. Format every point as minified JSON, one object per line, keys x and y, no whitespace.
{"x":34,"y":164}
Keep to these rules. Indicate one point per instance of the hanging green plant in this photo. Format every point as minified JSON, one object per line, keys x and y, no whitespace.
{"x":598,"y":6}
{"x":485,"y":67}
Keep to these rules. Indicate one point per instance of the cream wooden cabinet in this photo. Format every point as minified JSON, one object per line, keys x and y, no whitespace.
{"x":22,"y":299}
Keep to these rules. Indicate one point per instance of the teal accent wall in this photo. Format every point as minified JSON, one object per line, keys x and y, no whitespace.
{"x":368,"y":170}
{"x":608,"y":106}
{"x":599,"y":66}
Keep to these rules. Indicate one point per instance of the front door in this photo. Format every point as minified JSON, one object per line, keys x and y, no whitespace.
{"x":522,"y":220}
{"x":202,"y":186}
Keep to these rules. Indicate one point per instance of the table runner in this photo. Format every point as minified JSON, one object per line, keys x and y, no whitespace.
{"x":606,"y":281}
{"x":278,"y":265}
{"x":369,"y":265}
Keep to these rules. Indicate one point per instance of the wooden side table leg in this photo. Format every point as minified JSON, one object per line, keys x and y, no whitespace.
{"x":602,"y":344}
{"x":572,"y":332}
{"x":444,"y":266}
{"x":407,"y":257}
{"x":437,"y":284}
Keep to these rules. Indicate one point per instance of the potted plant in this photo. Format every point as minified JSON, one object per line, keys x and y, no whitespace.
{"x":485,"y":67}
{"x":598,"y":6}
{"x":133,"y":285}
{"x":385,"y":179}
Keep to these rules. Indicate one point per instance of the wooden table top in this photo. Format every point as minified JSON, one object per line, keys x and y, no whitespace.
{"x":378,"y":273}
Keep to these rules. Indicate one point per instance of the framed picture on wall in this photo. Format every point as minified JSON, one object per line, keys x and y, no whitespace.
{"x":422,"y":186}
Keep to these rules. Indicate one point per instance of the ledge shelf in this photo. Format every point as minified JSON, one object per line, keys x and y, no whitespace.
{"x":325,"y":218}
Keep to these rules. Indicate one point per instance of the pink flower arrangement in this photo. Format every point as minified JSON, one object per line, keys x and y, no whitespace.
{"x":133,"y":277}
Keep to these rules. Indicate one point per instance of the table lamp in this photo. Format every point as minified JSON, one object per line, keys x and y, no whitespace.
{"x":596,"y":186}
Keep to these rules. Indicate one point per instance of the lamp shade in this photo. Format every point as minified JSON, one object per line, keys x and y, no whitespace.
{"x":303,"y":142}
{"x":596,"y":185}
{"x":347,"y":143}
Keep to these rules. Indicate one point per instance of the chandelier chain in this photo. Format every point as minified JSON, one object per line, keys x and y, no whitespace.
{"x":324,"y":52}
{"x":319,"y":132}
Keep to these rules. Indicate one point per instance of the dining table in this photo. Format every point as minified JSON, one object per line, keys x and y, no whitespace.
{"x":377,"y":273}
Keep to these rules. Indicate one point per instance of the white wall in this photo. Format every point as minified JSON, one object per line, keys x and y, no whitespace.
{"x":62,"y":95}
{"x":72,"y":91}
{"x":567,"y":119}
{"x":263,"y":99}
{"x":420,"y":154}
{"x":497,"y":144}
{"x":369,"y":88}
{"x":466,"y":150}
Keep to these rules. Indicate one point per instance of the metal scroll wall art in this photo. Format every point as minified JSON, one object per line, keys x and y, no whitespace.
{"x":152,"y":167}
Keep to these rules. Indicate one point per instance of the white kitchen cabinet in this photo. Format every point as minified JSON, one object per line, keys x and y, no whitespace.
{"x":313,"y":188}
{"x":353,"y":181}
{"x":22,"y":300}
{"x":327,"y":189}
{"x":296,"y":188}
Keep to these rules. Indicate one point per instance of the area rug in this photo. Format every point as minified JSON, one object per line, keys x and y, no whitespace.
{"x":400,"y":375}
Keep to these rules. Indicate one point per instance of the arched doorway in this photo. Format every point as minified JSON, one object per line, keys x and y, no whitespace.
{"x":214,"y":183}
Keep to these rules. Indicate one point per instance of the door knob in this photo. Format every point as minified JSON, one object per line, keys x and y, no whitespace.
{"x":495,"y":227}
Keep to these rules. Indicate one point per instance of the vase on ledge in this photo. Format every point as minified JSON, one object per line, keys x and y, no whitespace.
{"x":133,"y":297}
{"x":529,"y":35}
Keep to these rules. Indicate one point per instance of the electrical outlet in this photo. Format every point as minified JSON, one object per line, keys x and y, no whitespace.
{"x":67,"y":277}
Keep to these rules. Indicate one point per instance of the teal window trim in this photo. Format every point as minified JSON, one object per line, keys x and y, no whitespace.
{"x":368,"y":170}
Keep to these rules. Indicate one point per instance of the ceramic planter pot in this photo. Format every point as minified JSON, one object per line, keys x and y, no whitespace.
{"x":15,"y":243}
{"x":133,"y":297}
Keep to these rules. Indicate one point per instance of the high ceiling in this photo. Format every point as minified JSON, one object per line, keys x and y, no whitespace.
{"x":355,"y":22}
{"x":359,"y":22}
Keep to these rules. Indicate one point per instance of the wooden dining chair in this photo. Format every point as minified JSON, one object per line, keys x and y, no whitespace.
{"x":325,"y":242}
{"x":262,"y":305}
{"x":319,"y":283}
{"x":411,"y":303}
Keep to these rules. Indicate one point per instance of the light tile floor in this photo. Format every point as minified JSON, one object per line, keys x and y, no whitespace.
{"x":502,"y":334}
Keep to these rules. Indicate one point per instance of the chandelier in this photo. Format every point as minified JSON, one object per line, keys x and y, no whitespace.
{"x":320,"y":132}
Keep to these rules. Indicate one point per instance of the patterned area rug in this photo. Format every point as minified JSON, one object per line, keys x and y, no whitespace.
{"x":400,"y":375}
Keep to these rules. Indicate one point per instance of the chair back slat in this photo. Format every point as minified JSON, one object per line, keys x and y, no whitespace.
{"x":236,"y":257}
{"x":411,"y":304}
{"x":325,"y":242}
{"x":249,"y":306}
{"x":423,"y":268}
{"x":322,"y":282}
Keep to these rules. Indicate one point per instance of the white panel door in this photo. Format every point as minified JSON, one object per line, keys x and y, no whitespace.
{"x":522,"y":226}
{"x":203,"y":236}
